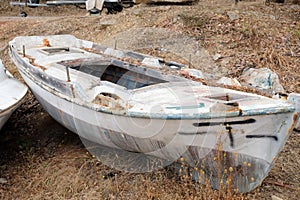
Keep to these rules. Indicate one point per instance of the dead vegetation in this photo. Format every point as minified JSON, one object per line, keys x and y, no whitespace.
{"x":42,"y":160}
{"x":261,"y":36}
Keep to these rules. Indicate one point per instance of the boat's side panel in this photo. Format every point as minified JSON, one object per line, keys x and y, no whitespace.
{"x":250,"y":157}
{"x":238,"y":133}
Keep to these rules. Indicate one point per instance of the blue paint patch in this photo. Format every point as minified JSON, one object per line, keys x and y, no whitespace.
{"x":201,"y":105}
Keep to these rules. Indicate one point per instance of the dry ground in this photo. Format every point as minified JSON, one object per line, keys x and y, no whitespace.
{"x":42,"y":160}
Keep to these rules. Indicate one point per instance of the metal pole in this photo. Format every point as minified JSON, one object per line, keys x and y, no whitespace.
{"x":190,"y":60}
{"x":116,"y":44}
{"x":68,"y":74}
{"x":23,"y":50}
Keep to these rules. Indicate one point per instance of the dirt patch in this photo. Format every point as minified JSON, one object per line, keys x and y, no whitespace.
{"x":42,"y":160}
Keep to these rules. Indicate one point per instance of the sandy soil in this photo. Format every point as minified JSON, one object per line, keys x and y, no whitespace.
{"x":42,"y":160}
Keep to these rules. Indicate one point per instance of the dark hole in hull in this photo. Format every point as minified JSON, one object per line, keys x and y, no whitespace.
{"x":247,"y":121}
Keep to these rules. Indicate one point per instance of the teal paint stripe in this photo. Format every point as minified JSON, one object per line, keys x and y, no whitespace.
{"x":201,"y":105}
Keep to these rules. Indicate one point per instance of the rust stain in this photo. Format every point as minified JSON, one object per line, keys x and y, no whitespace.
{"x":234,"y":109}
{"x":111,"y":101}
{"x":186,"y":74}
{"x":101,"y":100}
{"x":31,"y":61}
{"x":46,"y":43}
{"x":61,"y":116}
{"x":39,"y":66}
{"x":295,"y":118}
{"x":108,"y":101}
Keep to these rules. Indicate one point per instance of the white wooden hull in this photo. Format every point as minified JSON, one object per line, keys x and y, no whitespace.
{"x":170,"y":143}
{"x":11,"y":94}
{"x":168,"y":121}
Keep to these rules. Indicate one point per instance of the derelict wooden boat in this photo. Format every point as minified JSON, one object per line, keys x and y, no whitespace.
{"x":121,"y":99}
{"x":12,"y":93}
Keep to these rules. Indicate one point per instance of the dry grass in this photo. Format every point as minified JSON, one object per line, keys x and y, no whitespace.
{"x":74,"y":174}
{"x":263,"y":36}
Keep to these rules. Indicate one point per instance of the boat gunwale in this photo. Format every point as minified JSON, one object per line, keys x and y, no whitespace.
{"x":157,"y":116}
{"x":282,"y":109}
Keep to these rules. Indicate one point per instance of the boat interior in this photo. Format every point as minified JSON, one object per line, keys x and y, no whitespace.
{"x":87,"y":71}
{"x":118,"y":72}
{"x":86,"y":68}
